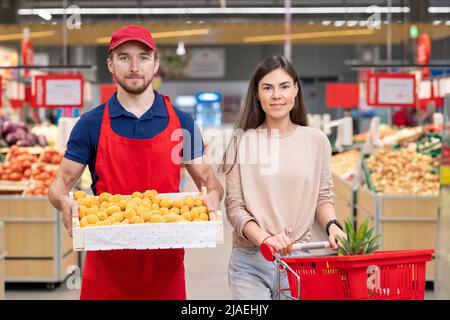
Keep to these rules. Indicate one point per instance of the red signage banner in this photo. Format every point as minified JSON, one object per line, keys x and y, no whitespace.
{"x":61,"y":90}
{"x":423,"y":53}
{"x":345,"y":95}
{"x":391,"y":90}
{"x":27,"y":55}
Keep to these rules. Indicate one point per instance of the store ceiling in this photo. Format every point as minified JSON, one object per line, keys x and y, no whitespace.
{"x":222,"y":33}
{"x":218,"y":29}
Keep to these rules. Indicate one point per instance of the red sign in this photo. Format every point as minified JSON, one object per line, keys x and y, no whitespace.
{"x":345,"y":95}
{"x":391,"y":90}
{"x":423,"y":53}
{"x":61,"y":90}
{"x":27,"y":55}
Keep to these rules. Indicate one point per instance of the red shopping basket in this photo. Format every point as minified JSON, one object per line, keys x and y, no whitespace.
{"x":383,"y":275}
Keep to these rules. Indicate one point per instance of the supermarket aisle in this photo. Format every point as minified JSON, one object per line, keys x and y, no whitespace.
{"x":206,"y":269}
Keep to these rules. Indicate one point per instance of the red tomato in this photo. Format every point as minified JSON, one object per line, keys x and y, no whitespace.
{"x":26,"y":164}
{"x":56,"y":159}
{"x":27,"y":173}
{"x":48,"y":182}
{"x":15,"y":176}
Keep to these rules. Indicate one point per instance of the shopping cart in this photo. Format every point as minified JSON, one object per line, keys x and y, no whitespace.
{"x":383,"y":275}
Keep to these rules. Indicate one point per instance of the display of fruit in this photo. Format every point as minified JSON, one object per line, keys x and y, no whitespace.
{"x":345,"y":163}
{"x":44,"y":174}
{"x":19,"y":134}
{"x":147,"y":207}
{"x":383,"y":131}
{"x":18,"y":166}
{"x":42,"y":177}
{"x":403,"y":136}
{"x":50,"y":132}
{"x":39,"y":188}
{"x":52,"y":157}
{"x":403,"y":171}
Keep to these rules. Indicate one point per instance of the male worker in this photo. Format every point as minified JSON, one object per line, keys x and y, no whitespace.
{"x":132,"y":143}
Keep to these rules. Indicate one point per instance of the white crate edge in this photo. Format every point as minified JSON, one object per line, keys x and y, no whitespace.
{"x":205,"y":234}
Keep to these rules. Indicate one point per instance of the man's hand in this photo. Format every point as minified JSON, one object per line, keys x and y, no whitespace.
{"x":335,"y":231}
{"x":69,"y":210}
{"x":212,"y":201}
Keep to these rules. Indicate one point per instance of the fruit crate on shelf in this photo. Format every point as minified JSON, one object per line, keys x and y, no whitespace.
{"x":39,"y":248}
{"x":198,"y":234}
{"x":400,"y":219}
{"x":2,"y":263}
{"x":344,"y":198}
{"x":367,"y":172}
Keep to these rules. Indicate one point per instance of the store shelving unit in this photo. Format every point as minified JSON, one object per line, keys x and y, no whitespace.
{"x":38,"y":246}
{"x":442,"y":288}
{"x":2,"y":263}
{"x":344,"y":198}
{"x":404,"y":222}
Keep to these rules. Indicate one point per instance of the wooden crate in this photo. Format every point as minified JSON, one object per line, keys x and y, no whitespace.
{"x":39,"y":247}
{"x":202,"y":234}
{"x":404,"y":222}
{"x":441,"y":288}
{"x":343,"y":199}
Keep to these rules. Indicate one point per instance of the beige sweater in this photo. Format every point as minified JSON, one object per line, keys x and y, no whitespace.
{"x":278,"y":182}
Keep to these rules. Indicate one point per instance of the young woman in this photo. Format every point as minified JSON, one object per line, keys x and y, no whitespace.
{"x":278,"y":179}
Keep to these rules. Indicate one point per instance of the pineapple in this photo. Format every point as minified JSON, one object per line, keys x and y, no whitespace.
{"x":360,"y":242}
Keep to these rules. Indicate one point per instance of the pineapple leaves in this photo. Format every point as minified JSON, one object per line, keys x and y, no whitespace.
{"x":360,"y":241}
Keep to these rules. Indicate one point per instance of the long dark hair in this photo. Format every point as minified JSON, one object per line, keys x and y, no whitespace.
{"x":252,"y":114}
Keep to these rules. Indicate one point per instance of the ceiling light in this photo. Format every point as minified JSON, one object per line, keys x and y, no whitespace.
{"x":208,"y":11}
{"x":439,"y":10}
{"x":44,"y":14}
{"x":326,"y":22}
{"x":339,"y":23}
{"x":352,"y":23}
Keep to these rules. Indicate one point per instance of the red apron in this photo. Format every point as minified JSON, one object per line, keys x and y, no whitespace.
{"x":125,"y":165}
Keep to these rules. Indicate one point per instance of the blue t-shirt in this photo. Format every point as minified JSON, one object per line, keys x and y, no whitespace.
{"x":83,"y":140}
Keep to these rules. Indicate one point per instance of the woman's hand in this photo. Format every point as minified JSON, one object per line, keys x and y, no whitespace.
{"x":335,"y":232}
{"x":281,"y":243}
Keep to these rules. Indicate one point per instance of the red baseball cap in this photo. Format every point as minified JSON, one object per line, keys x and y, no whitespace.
{"x":131,"y":33}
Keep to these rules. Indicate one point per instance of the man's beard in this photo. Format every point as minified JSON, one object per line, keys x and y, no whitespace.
{"x":134,"y":90}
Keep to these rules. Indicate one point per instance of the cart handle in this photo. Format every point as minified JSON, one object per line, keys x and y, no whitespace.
{"x":269,"y":253}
